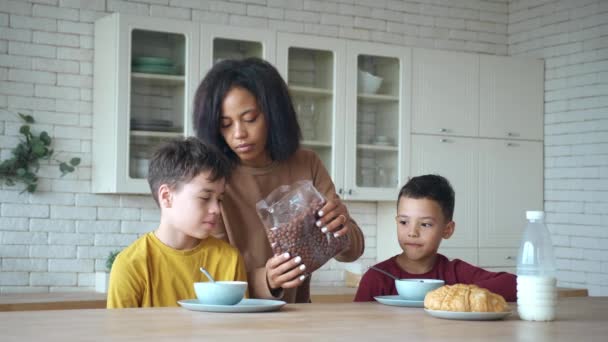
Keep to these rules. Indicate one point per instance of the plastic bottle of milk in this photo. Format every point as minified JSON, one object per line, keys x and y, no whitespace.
{"x":536,"y":290}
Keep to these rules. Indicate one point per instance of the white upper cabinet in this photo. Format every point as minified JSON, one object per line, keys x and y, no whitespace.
{"x":352,"y":102}
{"x":510,"y":182}
{"x":220,"y":42}
{"x":511,"y":98}
{"x":445,"y":93}
{"x":144,"y":74}
{"x":456,"y":159}
{"x":377,"y":125}
{"x":314,"y":69}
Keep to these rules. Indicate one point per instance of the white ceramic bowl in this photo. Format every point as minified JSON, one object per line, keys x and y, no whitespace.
{"x":220,"y":292}
{"x":368,"y":83}
{"x":416,"y":289}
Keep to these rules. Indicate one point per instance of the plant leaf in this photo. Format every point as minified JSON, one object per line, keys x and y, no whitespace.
{"x":31,"y":188}
{"x":75,"y":161}
{"x":27,"y":118}
{"x":25,"y":130}
{"x":46,"y":139}
{"x":63,"y":167}
{"x":30,"y":177}
{"x":21,"y":172}
{"x":39,"y":150}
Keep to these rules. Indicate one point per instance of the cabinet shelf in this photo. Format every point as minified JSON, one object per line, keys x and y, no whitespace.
{"x":316,"y":143}
{"x":312,"y":91}
{"x":386,"y":148}
{"x":155,"y":134}
{"x":376,"y":98}
{"x":165,"y":79}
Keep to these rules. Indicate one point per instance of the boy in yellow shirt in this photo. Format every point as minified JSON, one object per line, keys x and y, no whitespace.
{"x":187,"y":180}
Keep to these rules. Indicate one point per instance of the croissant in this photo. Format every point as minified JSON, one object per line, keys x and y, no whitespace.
{"x":464,"y":298}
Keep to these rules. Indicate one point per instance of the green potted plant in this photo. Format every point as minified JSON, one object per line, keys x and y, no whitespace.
{"x":102,"y":278}
{"x":24,"y":164}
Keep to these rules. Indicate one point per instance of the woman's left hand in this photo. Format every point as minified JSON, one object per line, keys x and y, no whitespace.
{"x":333,"y":217}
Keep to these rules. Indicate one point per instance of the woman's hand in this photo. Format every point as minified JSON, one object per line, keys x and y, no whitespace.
{"x":333,"y":217}
{"x":284,"y":271}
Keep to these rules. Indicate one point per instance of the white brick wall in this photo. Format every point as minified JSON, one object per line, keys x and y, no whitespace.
{"x":46,"y":69}
{"x":571,"y":36}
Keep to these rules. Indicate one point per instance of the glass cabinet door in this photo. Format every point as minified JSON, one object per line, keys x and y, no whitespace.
{"x":378,"y":133}
{"x":312,"y":69}
{"x":220,"y":42}
{"x":145,"y":72}
{"x":158,"y":99}
{"x":310,"y":80}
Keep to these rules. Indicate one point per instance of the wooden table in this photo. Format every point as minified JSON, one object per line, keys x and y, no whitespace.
{"x":93,"y":300}
{"x":579,"y":319}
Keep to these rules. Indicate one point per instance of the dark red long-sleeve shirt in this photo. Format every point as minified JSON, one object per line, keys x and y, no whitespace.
{"x":452,"y":272}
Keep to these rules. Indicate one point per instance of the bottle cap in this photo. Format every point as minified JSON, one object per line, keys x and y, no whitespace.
{"x":535,"y":215}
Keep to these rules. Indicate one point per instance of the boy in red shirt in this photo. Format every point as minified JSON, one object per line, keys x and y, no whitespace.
{"x":424,"y":217}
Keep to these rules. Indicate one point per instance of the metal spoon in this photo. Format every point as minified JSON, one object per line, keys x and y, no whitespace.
{"x":207,"y":274}
{"x":383,"y":272}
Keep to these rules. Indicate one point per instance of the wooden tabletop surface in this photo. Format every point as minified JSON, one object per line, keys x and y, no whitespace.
{"x":578,"y":319}
{"x":94,"y":300}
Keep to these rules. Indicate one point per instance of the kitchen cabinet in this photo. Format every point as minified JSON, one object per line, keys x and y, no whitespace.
{"x":219,"y":42}
{"x":463,"y":94}
{"x":511,"y":97}
{"x":377,"y":125}
{"x":314,"y":69}
{"x":361,"y":132}
{"x":510,"y":182}
{"x":445,"y":93}
{"x":495,"y":182}
{"x":145,"y":72}
{"x":456,"y":159}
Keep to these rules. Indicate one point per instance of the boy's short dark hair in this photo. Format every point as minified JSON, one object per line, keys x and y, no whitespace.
{"x":433,"y":187}
{"x":271,"y":93}
{"x":180,"y":160}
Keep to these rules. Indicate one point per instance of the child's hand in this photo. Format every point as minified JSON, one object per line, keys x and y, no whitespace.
{"x":333,"y":217}
{"x":283,"y":271}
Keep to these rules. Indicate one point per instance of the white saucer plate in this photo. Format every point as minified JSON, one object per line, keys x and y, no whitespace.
{"x":398,"y":301}
{"x":469,"y":316}
{"x":245,"y":305}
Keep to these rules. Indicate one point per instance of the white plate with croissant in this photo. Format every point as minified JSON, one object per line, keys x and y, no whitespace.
{"x":465,"y":302}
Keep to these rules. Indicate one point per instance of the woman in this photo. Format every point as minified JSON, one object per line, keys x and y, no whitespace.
{"x":243,"y":107}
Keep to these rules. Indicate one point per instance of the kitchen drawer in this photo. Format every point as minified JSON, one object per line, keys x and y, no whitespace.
{"x":498,"y":257}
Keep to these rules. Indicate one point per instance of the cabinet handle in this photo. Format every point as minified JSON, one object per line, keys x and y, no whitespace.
{"x":340,"y":191}
{"x":444,"y":140}
{"x":512,"y":144}
{"x":512,"y":134}
{"x":443,"y":130}
{"x":508,"y":257}
{"x":350,"y":191}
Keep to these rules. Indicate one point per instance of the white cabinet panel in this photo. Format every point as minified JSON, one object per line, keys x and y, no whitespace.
{"x":457,"y":160}
{"x":387,"y":244}
{"x":510,"y":182}
{"x":511,"y":97}
{"x":465,"y":254}
{"x":445,"y":93}
{"x":498,"y":257}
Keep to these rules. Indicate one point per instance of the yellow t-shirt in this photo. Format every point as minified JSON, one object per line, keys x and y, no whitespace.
{"x":149,"y":273}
